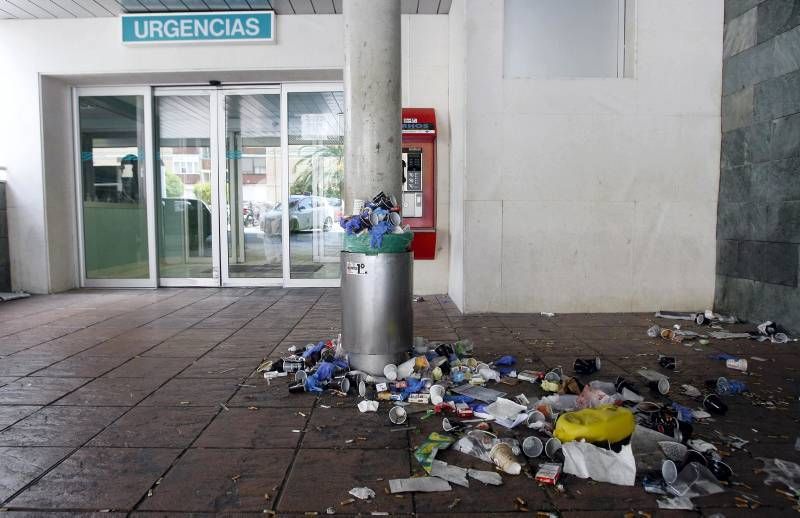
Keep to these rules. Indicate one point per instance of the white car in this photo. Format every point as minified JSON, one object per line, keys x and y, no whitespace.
{"x":305,"y":213}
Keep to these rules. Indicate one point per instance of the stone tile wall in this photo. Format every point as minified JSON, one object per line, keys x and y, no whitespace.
{"x":758,"y":221}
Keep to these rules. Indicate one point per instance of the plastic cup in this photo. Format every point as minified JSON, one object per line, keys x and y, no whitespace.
{"x":398,"y":415}
{"x":362,"y":388}
{"x":669,"y":471}
{"x":406,"y":369}
{"x":532,"y":446}
{"x":536,"y":419}
{"x":390,"y":372}
{"x":437,"y":394}
{"x":552,"y":448}
{"x":503,"y":458}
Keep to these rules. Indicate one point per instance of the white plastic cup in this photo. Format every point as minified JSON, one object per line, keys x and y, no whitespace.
{"x":663,"y":386}
{"x":532,"y":446}
{"x":390,"y":372}
{"x":437,"y":394}
{"x":406,"y":369}
{"x":398,"y":415}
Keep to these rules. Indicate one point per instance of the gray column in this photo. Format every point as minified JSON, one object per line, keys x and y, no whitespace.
{"x":372,"y":99}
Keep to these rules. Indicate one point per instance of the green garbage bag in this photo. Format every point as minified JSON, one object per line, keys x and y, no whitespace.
{"x":392,"y":243}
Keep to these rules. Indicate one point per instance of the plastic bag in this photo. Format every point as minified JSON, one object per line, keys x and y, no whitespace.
{"x":599,"y":425}
{"x":426,"y":452}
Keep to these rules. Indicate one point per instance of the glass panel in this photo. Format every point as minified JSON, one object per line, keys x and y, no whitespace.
{"x":185,"y":208}
{"x":316,"y":171}
{"x":114,"y":198}
{"x":253,"y":185}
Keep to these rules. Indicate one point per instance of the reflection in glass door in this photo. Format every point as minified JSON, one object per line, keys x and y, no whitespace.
{"x":186,"y":201}
{"x":112,"y":139}
{"x":316,"y":172}
{"x":252,"y":187}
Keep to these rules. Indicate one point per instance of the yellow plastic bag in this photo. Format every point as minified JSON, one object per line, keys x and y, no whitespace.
{"x":603,"y":424}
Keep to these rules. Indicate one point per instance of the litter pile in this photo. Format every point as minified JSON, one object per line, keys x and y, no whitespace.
{"x":619,"y":431}
{"x":376,"y":227}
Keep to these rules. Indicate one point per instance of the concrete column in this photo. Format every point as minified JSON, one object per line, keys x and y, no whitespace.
{"x":372,"y":100}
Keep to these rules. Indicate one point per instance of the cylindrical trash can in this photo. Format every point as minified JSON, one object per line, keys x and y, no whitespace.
{"x":377,"y":319}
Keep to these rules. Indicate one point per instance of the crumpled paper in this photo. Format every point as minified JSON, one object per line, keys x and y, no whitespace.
{"x":368,"y":406}
{"x":453,"y":474}
{"x":363,"y":493}
{"x":487,"y":477}
{"x":585,"y":460}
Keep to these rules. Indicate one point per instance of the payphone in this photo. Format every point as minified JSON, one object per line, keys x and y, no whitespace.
{"x":419,"y":179}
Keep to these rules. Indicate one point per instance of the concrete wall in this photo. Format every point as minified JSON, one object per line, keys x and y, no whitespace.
{"x":5,"y":270}
{"x":40,"y":58}
{"x":758,"y":232}
{"x":592,"y":194}
{"x":458,"y":130}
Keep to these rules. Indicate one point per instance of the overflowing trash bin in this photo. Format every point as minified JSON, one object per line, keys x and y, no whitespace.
{"x":377,"y":272}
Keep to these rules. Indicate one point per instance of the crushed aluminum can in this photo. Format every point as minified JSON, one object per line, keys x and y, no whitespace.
{"x":548,"y":473}
{"x":419,"y":398}
{"x":522,"y":399}
{"x":737,"y":364}
{"x":463,"y":410}
{"x":293,"y":363}
{"x":530,"y":376}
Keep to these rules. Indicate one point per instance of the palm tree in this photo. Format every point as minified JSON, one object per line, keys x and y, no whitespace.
{"x":303,"y":170}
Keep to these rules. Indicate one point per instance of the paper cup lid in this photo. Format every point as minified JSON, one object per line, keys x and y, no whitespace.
{"x":532,"y":446}
{"x":669,"y":471}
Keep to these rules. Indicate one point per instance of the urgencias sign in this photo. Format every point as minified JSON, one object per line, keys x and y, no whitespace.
{"x":227,"y":26}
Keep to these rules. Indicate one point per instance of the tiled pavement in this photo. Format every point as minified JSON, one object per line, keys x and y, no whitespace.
{"x":144,"y":402}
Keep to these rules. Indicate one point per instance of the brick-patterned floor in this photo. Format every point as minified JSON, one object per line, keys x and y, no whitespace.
{"x":143,"y":401}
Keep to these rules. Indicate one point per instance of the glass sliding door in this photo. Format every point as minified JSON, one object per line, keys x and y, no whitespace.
{"x":252,"y":187}
{"x":315,"y":128}
{"x":187,"y":181}
{"x":113,"y":135}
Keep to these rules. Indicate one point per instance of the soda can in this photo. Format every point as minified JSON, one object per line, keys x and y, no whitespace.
{"x":714,"y":404}
{"x":739,"y":364}
{"x":668,"y":362}
{"x":586,"y":366}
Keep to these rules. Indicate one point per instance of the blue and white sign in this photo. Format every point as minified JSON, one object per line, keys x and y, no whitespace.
{"x":226,"y":26}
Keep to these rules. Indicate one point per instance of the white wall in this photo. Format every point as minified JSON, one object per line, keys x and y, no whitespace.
{"x":592,"y":194}
{"x":425,"y":85}
{"x":87,"y":49}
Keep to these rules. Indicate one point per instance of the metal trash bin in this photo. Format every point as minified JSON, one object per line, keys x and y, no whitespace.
{"x":377,"y":319}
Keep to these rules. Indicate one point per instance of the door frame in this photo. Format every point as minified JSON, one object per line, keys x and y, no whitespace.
{"x":111,"y":91}
{"x":286,"y":89}
{"x":214,"y":280}
{"x":225,"y":278}
{"x":217,"y":96}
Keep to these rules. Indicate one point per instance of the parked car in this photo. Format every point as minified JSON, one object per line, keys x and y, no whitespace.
{"x":305,"y":213}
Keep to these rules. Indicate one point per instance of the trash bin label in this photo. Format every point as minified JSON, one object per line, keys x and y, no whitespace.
{"x":356,"y":268}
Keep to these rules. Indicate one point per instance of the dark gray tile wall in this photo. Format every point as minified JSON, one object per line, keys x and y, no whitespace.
{"x":758,"y":219}
{"x":5,"y":265}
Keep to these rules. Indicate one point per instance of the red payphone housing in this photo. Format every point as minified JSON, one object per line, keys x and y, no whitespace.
{"x":419,"y":179}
